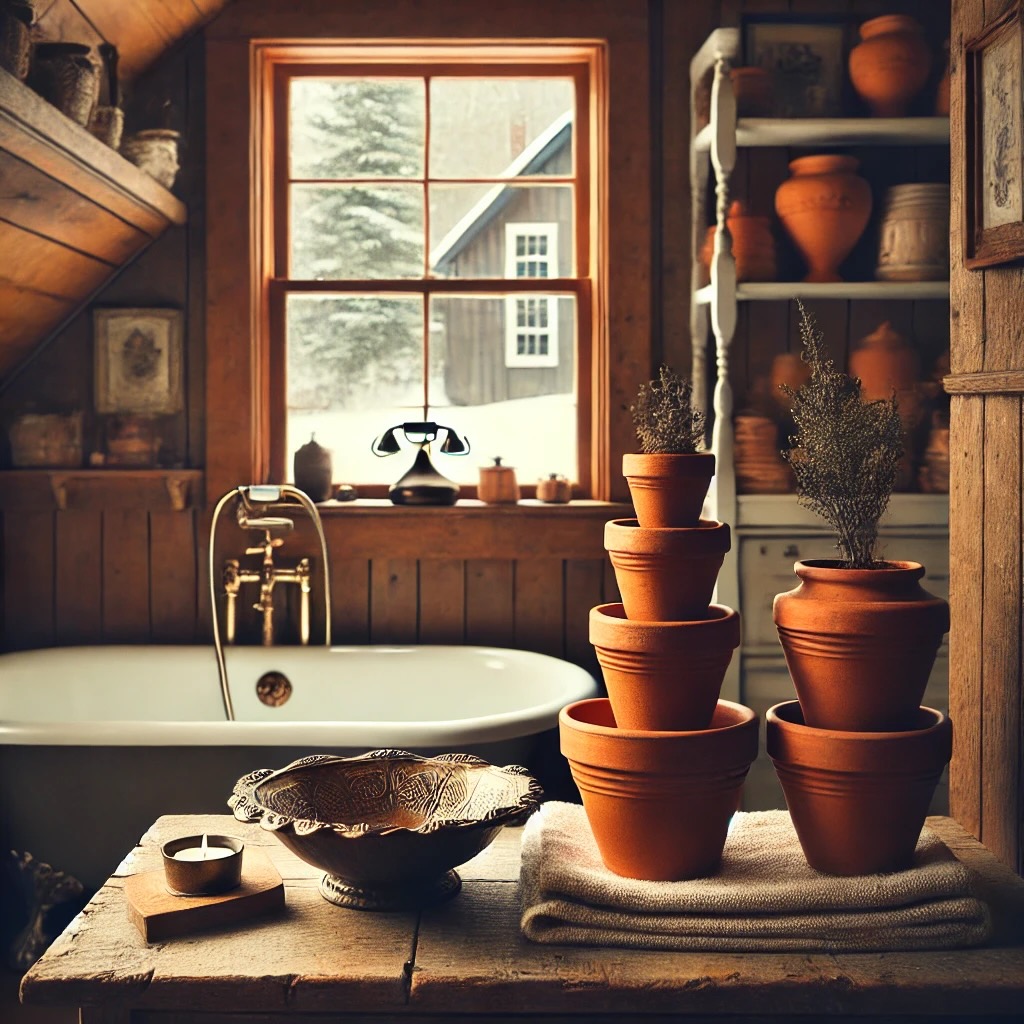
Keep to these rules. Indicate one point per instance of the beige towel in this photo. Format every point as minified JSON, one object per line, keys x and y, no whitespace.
{"x":765,"y":897}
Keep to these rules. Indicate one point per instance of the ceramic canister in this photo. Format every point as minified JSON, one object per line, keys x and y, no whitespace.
{"x":914,"y":238}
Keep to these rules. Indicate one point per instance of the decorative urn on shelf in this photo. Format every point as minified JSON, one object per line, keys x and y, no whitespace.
{"x":891,"y":64}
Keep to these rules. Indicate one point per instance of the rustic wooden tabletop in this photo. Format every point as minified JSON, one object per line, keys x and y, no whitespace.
{"x":468,"y":957}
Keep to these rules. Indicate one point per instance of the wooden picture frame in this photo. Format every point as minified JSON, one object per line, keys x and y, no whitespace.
{"x":138,"y":360}
{"x":807,"y":59}
{"x":993,"y":229}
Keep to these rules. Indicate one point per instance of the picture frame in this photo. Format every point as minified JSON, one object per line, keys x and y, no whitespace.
{"x":993,"y":228}
{"x":807,"y":58}
{"x":138,"y":360}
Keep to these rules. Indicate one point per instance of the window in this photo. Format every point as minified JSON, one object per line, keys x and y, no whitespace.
{"x":531,"y":324}
{"x":429,"y":257}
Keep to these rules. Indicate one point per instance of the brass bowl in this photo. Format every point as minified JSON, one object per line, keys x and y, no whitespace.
{"x":386,"y":827}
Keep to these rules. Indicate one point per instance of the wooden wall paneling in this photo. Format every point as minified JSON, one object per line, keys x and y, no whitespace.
{"x":174,"y":583}
{"x":394,"y":600}
{"x":125,"y":595}
{"x":48,"y":267}
{"x":78,"y":603}
{"x":539,"y":606}
{"x":36,"y":202}
{"x":1001,"y":601}
{"x":966,"y":605}
{"x":584,"y":588}
{"x":490,"y":606}
{"x":610,"y":590}
{"x":62,"y":21}
{"x":442,"y":601}
{"x":28,"y":579}
{"x":18,"y":332}
{"x":350,"y":600}
{"x":1004,"y":330}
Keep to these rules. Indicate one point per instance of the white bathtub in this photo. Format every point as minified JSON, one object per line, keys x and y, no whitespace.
{"x":95,"y":742}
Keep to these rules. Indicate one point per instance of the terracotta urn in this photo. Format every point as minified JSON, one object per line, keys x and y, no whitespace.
{"x":860,"y":643}
{"x":753,"y":246}
{"x":789,"y":369}
{"x":858,"y":800}
{"x":885,"y":363}
{"x":664,"y":675}
{"x":824,"y":208}
{"x":891,"y":64}
{"x":659,"y":803}
{"x":668,"y":490}
{"x":666,"y":574}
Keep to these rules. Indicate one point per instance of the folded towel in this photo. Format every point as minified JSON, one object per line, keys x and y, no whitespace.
{"x":766,"y":897}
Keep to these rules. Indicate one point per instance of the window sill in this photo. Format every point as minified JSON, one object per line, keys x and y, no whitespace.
{"x":375,"y":528}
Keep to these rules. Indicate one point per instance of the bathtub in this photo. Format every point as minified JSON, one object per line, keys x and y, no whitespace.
{"x":95,"y":742}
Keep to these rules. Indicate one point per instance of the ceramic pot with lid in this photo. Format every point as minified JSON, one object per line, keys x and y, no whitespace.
{"x":914,"y":237}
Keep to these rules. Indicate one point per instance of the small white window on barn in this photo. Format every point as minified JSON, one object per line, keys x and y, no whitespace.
{"x":531,"y":321}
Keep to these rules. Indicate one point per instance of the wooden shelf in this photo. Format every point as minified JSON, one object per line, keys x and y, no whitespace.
{"x":783,"y":510}
{"x":72,"y":209}
{"x":781,"y":291}
{"x":834,"y":131}
{"x":156,"y":489}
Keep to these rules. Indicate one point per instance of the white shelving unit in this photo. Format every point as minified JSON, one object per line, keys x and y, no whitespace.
{"x":770,"y":532}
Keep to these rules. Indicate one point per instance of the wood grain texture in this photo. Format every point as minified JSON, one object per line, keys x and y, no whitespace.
{"x":442,"y":599}
{"x":125,"y":590}
{"x":966,"y":606}
{"x":539,"y":606}
{"x":28,"y":565}
{"x":350,"y":600}
{"x":995,"y":382}
{"x":1001,"y":601}
{"x":394,"y":600}
{"x":173,"y":580}
{"x":78,"y":576}
{"x":584,"y":588}
{"x":1004,"y":335}
{"x":490,"y":602}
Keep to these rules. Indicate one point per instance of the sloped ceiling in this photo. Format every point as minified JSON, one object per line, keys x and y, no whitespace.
{"x":140,"y":29}
{"x":73,"y":210}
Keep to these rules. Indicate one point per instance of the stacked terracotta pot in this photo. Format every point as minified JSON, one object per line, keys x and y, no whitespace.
{"x":660,"y":762}
{"x":857,"y":755}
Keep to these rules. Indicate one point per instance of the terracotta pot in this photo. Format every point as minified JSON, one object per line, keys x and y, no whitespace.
{"x":789,"y":369}
{"x":824,"y":208}
{"x":753,"y":246}
{"x":665,"y":575}
{"x":914,"y":237}
{"x":858,"y":800}
{"x":664,"y":675}
{"x":668,"y":490}
{"x":498,"y":484}
{"x":754,"y":91}
{"x":555,"y":490}
{"x":860,"y":643}
{"x":658,"y":803}
{"x":885,"y":362}
{"x":890,"y":67}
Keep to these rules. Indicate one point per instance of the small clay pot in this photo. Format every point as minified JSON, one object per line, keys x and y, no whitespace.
{"x":658,"y":803}
{"x":664,"y":675}
{"x":753,"y":245}
{"x":858,"y":800}
{"x":313,"y":470}
{"x":890,"y":67}
{"x":824,"y":207}
{"x":789,"y":369}
{"x":668,"y":490}
{"x":885,"y":363}
{"x":665,"y":575}
{"x":555,"y":490}
{"x":860,"y":643}
{"x":498,"y":484}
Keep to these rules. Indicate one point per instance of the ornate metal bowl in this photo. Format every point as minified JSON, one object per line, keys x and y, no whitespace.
{"x":386,"y":827}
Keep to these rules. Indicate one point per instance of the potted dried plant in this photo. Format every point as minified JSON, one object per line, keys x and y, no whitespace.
{"x":669,"y":477}
{"x":860,"y":634}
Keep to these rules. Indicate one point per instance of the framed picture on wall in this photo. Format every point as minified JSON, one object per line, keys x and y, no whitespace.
{"x":807,"y":60}
{"x":138,"y":360}
{"x":994,"y":152}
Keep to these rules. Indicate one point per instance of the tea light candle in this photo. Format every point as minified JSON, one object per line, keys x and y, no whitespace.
{"x":202,"y":865}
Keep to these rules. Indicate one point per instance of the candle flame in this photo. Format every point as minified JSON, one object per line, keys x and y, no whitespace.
{"x":205,"y":847}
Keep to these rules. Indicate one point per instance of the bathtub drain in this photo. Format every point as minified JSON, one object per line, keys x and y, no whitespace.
{"x":273,"y":689}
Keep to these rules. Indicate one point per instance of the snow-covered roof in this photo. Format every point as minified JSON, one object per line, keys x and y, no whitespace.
{"x":529,"y":161}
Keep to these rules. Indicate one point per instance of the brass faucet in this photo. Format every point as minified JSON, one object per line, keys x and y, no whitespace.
{"x":267,"y":576}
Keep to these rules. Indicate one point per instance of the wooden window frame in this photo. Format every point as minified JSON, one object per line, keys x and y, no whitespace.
{"x":239,"y":368}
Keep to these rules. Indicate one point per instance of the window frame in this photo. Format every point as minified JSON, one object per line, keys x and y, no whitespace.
{"x":514,"y":359}
{"x":278,"y":65}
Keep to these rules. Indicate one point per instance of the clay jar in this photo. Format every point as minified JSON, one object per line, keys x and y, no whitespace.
{"x":789,"y":369}
{"x":498,"y":484}
{"x":753,"y":247}
{"x":665,"y":575}
{"x":858,"y":800}
{"x":824,"y":208}
{"x":860,"y":643}
{"x":890,"y":67}
{"x":886,"y":363}
{"x":754,"y":91}
{"x":668,"y":490}
{"x":664,"y":675}
{"x":658,"y":803}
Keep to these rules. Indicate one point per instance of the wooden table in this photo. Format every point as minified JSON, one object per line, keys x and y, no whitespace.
{"x":468,"y":957}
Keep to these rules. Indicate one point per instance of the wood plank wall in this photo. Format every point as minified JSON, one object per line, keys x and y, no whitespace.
{"x":986,"y":528}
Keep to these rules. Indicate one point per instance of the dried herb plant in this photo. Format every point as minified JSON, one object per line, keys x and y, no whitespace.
{"x":845,"y":451}
{"x":665,"y":420}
